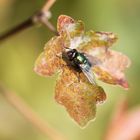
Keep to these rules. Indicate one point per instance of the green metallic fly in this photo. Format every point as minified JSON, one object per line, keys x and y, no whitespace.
{"x":79,"y":62}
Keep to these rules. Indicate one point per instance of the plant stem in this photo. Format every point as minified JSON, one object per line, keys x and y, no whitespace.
{"x":39,"y":17}
{"x":48,"y":5}
{"x":30,"y":115}
{"x":18,"y":28}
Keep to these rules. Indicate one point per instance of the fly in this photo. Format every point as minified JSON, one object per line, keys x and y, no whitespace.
{"x":79,"y":62}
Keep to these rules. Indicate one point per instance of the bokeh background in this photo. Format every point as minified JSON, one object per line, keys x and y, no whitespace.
{"x":18,"y":54}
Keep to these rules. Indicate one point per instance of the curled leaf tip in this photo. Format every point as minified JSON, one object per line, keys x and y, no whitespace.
{"x":124,"y":84}
{"x":62,"y":21}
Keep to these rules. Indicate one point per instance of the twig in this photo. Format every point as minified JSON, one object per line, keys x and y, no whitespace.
{"x":29,"y":114}
{"x":26,"y":24}
{"x":39,"y":17}
{"x":48,"y":5}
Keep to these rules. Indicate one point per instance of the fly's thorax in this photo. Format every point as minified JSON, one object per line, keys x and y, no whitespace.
{"x":75,"y":59}
{"x":80,"y":58}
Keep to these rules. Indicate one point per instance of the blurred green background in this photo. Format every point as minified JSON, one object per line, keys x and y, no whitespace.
{"x":18,"y":54}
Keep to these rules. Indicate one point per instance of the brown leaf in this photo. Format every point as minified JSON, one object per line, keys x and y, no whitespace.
{"x":62,"y":21}
{"x":79,"y":97}
{"x":97,"y":39}
{"x":50,"y":60}
{"x":111,"y":68}
{"x":73,"y":89}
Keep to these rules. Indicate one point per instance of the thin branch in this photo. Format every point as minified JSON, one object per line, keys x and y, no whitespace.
{"x":29,"y":114}
{"x":39,"y":17}
{"x":26,"y":24}
{"x":48,"y":5}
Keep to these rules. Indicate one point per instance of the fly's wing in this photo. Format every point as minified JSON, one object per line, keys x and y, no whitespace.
{"x":86,"y":69}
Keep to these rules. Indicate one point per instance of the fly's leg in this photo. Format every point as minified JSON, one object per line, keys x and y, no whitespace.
{"x":78,"y":76}
{"x":59,"y":56}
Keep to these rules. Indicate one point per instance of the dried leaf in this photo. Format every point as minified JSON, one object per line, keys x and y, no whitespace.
{"x":97,"y":39}
{"x":50,"y":60}
{"x":68,"y":27}
{"x":73,"y":89}
{"x":111,"y":69}
{"x":79,"y":97}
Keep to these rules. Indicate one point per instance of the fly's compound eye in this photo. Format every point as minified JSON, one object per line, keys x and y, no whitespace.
{"x":71,"y":54}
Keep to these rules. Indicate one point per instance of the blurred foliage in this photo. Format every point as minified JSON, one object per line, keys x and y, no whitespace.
{"x":17,"y":56}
